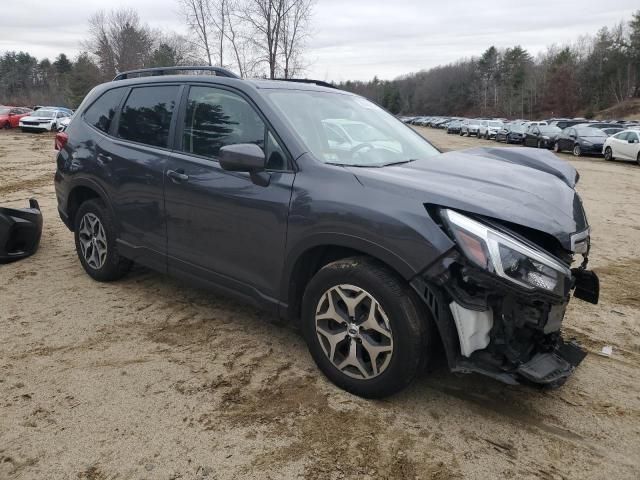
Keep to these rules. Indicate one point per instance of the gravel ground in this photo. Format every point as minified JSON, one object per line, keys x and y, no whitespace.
{"x":150,"y":378}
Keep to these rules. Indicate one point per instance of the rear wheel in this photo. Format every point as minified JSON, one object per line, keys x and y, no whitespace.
{"x":364,"y":326}
{"x":6,"y":126}
{"x":577,"y":151}
{"x":608,"y":154}
{"x":95,"y":237}
{"x":556,"y":147}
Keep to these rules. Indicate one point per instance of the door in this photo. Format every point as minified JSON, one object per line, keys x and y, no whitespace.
{"x":134,"y":161}
{"x":630,"y":146}
{"x":221,"y":227}
{"x":567,"y":140}
{"x":618,"y":144}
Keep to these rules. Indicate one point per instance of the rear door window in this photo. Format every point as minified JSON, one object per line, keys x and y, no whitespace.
{"x":146,"y":115}
{"x":101,"y":112}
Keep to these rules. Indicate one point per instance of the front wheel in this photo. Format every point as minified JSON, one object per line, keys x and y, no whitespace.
{"x":7,"y":126}
{"x":364,"y":326}
{"x":95,"y":237}
{"x":577,"y":151}
{"x":608,"y":154}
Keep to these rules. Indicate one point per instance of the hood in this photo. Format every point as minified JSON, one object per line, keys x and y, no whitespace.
{"x":528,"y":187}
{"x":36,"y":118}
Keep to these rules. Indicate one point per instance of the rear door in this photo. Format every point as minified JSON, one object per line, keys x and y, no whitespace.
{"x":630,"y":149}
{"x":222,"y":227}
{"x":618,"y":144}
{"x":135,"y":157}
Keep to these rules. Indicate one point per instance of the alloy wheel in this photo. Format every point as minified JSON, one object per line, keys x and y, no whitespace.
{"x":93,"y":241}
{"x":354,"y":331}
{"x":607,"y":154}
{"x":577,"y":151}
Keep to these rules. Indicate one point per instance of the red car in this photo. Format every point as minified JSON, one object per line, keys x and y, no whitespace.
{"x":10,"y":116}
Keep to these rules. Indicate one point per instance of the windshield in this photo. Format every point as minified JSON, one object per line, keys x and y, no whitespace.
{"x":495,"y":124}
{"x":44,"y":113}
{"x":349,"y":130}
{"x":544,"y":130}
{"x":590,"y":132}
{"x":517,"y":128}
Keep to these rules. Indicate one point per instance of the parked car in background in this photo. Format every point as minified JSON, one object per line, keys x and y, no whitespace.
{"x":511,"y":133}
{"x":10,"y":116}
{"x":470,"y":127}
{"x":543,"y":136}
{"x":489,"y":128}
{"x":43,"y":120}
{"x":612,"y":130}
{"x":534,"y":123}
{"x":624,"y":146}
{"x":454,"y":127}
{"x":580,"y":140}
{"x":51,"y":107}
{"x":562,"y":124}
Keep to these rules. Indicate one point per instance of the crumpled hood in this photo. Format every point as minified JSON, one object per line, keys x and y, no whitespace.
{"x":524,"y":186}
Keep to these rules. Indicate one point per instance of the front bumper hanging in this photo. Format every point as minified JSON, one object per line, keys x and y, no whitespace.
{"x":20,"y":231}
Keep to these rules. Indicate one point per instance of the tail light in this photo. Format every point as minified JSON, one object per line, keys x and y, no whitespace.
{"x":61,"y":140}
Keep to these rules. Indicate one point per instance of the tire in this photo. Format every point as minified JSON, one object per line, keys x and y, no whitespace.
{"x":608,"y":154}
{"x":54,"y":127}
{"x":401,"y":317}
{"x":6,"y":126}
{"x":577,"y":151}
{"x":556,"y":147}
{"x":638,"y":159}
{"x":461,"y":134}
{"x":95,"y":237}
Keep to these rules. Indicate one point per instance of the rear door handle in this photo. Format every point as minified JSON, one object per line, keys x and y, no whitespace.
{"x":177,"y":176}
{"x":104,"y":158}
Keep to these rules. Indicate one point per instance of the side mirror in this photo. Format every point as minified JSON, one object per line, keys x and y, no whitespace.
{"x":632,"y":140}
{"x":245,"y":157}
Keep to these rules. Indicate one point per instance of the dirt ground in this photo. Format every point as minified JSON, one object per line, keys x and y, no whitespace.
{"x":150,"y":378}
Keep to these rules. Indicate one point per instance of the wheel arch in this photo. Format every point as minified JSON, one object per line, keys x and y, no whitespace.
{"x":308,"y":258}
{"x":82,"y":191}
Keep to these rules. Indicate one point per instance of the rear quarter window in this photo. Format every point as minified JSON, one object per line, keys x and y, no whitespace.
{"x":146,"y":115}
{"x":101,"y":112}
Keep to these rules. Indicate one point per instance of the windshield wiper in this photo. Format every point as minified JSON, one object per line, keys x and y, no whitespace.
{"x":398,"y":163}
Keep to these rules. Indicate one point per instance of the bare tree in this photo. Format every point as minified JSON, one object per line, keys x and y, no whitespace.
{"x":119,"y":40}
{"x":198,"y":15}
{"x":265,"y":18}
{"x":295,"y":31}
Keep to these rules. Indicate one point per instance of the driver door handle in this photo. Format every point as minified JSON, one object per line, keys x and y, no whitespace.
{"x":177,"y":176}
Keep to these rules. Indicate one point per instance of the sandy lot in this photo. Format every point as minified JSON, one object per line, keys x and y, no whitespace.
{"x":150,"y":378}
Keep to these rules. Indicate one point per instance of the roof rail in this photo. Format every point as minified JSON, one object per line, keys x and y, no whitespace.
{"x":320,"y":83}
{"x":148,"y":72}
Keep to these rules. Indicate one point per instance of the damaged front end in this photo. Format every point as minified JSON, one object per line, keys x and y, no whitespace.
{"x":20,"y":231}
{"x":499,"y":299}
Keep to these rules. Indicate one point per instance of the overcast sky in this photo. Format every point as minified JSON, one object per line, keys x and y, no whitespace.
{"x":352,"y":39}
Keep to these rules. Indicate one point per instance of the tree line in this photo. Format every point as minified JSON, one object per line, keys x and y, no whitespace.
{"x":255,"y":38}
{"x":593,"y":73}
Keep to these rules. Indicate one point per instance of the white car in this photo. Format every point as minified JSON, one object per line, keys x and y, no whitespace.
{"x":489,"y":128}
{"x":43,"y":120}
{"x":624,"y":146}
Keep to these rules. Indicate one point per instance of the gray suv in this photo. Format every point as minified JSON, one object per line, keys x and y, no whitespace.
{"x":320,"y":207}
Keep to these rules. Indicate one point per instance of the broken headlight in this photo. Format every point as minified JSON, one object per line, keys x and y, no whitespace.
{"x":506,"y":256}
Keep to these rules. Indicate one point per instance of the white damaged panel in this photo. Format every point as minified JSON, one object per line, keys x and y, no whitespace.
{"x":473,"y":328}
